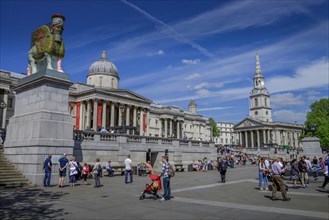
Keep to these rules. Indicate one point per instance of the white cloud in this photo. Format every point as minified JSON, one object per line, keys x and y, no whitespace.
{"x":289,"y":116}
{"x":193,"y":62}
{"x":203,"y":92}
{"x":213,"y":108}
{"x":313,"y":92}
{"x":225,"y":19}
{"x":159,"y":52}
{"x":311,"y":76}
{"x":171,"y":31}
{"x":285,"y":99}
{"x":208,"y":85}
{"x":193,"y":76}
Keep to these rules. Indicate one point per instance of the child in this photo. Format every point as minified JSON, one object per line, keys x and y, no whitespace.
{"x":85,"y":173}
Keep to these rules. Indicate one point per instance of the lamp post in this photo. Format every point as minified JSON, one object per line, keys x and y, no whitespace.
{"x":122,"y":110}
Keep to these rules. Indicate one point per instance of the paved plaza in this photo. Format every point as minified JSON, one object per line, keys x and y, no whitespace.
{"x":197,"y":195}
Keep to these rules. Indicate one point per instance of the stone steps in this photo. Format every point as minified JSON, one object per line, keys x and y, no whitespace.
{"x":10,"y":177}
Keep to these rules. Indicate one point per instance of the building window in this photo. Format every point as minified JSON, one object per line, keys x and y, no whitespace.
{"x":266,"y":112}
{"x":256,"y":112}
{"x":112,"y":82}
{"x":256,"y":102}
{"x":265,"y":101}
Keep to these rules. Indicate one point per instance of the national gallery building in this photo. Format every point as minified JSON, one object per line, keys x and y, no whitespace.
{"x":100,"y":103}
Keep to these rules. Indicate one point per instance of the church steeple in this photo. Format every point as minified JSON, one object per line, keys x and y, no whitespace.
{"x":259,"y":97}
{"x":258,"y":77}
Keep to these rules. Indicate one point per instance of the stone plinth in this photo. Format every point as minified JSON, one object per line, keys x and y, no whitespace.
{"x":41,"y":124}
{"x":311,"y":147}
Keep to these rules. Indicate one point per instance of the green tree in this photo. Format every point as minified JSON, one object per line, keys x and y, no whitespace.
{"x":319,"y":115}
{"x":214,"y":128}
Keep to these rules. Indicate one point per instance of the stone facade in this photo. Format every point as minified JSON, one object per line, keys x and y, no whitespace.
{"x":102,"y":104}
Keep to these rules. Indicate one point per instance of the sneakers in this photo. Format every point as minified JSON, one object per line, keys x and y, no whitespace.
{"x":287,"y":199}
{"x":162,"y":199}
{"x":261,"y":189}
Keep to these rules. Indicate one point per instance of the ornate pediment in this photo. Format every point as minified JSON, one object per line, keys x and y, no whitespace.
{"x":248,"y":122}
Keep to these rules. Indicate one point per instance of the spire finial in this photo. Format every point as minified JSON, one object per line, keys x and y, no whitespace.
{"x":104,"y":54}
{"x":258,"y":69}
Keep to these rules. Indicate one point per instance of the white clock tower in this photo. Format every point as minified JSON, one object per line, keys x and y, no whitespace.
{"x":259,"y":97}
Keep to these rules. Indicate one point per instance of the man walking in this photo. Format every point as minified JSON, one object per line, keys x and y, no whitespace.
{"x":62,"y":165}
{"x":128,"y":169}
{"x":165,"y":179}
{"x":48,"y":168}
{"x":278,"y":181}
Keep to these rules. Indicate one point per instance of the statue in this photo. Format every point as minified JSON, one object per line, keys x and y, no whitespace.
{"x":310,"y":128}
{"x":47,"y":47}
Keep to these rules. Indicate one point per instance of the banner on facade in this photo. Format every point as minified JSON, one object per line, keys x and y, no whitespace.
{"x":77,"y":116}
{"x":99,"y":116}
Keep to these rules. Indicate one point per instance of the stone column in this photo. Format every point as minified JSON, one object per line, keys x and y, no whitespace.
{"x":160,"y":127}
{"x":104,"y":115}
{"x":258,"y":139}
{"x":268,"y":136}
{"x":95,"y":115}
{"x":252,"y":139}
{"x":240,"y":138}
{"x":178,"y":129}
{"x":147,"y":121}
{"x":141,"y":121}
{"x":88,"y":114}
{"x":166,"y":128}
{"x":112,"y":115}
{"x":81,"y":117}
{"x":246,"y":138}
{"x":170,"y":128}
{"x":134,"y":116}
{"x":120,"y":117}
{"x":127,"y":117}
{"x":4,"y":115}
{"x":264,"y":137}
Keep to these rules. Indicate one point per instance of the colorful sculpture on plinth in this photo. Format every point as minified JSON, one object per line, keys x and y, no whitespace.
{"x":47,"y":46}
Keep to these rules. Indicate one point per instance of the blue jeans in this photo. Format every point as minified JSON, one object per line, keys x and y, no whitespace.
{"x":262,"y":180}
{"x":46,"y":180}
{"x":128,"y":172}
{"x":166,"y":188}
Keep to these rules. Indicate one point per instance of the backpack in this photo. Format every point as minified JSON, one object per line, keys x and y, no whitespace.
{"x":171,"y":171}
{"x":99,"y":168}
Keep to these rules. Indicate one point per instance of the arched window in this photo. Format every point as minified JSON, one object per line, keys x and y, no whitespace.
{"x":265,"y":101}
{"x":256,"y":102}
{"x":112,"y":83}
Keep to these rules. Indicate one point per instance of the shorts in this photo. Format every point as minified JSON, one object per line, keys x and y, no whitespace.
{"x":62,"y":173}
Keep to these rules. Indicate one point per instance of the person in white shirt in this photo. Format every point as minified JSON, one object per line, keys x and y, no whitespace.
{"x":309,"y":168}
{"x":128,"y":169}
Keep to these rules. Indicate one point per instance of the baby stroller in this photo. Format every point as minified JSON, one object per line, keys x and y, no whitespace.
{"x":269,"y":177}
{"x":152,"y":188}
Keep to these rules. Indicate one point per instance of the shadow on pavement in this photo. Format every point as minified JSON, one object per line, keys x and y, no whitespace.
{"x":29,"y":203}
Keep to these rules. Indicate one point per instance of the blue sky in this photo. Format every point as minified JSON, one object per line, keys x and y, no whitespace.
{"x":175,"y":51}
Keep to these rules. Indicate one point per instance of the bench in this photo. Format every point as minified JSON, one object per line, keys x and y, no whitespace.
{"x":179,"y":167}
{"x":120,"y":170}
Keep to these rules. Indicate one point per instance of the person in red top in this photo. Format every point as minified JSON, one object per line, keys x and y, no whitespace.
{"x":85,"y":173}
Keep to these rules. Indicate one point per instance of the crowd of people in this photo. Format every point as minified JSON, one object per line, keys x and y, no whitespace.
{"x":300,"y":171}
